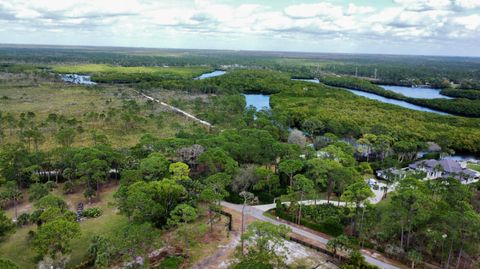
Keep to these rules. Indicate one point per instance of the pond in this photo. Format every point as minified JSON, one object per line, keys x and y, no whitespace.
{"x":77,"y":79}
{"x":425,"y":93}
{"x":259,"y":101}
{"x":215,"y":73}
{"x":386,"y":100}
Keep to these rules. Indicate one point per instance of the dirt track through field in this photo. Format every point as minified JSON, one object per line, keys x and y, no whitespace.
{"x":177,"y":110}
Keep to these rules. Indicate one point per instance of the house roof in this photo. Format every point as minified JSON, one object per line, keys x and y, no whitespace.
{"x":448,"y":166}
{"x":433,"y":147}
{"x":451,"y":166}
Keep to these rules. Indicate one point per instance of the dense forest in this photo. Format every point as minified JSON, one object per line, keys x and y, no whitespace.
{"x":99,"y":176}
{"x":390,"y":69}
{"x":462,"y":93}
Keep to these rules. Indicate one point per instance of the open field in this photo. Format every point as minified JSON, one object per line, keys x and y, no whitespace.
{"x":97,"y":109}
{"x":108,"y":73}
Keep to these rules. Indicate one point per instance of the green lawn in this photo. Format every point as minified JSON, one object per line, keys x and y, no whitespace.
{"x":18,"y":249}
{"x":106,"y":224}
{"x":473,"y":166}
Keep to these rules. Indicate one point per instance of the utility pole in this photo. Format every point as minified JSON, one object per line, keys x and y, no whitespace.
{"x":356,"y":71}
{"x":375,"y":75}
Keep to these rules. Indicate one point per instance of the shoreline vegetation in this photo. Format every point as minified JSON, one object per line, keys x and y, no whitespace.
{"x":460,"y":107}
{"x":347,"y":115}
{"x":461,"y":93}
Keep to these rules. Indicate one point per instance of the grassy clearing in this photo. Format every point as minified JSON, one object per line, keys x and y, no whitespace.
{"x":71,"y":101}
{"x":58,"y":98}
{"x":106,"y":224}
{"x":109,"y":73}
{"x":18,"y":248}
{"x":473,"y":166}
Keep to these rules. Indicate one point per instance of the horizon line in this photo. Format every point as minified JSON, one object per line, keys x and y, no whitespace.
{"x":230,"y":50}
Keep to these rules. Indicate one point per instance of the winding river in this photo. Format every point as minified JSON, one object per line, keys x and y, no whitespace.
{"x":395,"y":102}
{"x":261,"y":101}
{"x":424,"y":93}
{"x":407,"y":91}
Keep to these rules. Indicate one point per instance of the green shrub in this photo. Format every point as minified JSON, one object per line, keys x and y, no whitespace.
{"x":68,"y":187}
{"x":37,"y":191}
{"x":35,"y":216}
{"x":31,"y":235}
{"x":323,"y":218}
{"x":172,"y":262}
{"x":51,"y":185}
{"x":93,"y":212}
{"x":70,"y":216}
{"x":23,"y":219}
{"x":7,"y":264}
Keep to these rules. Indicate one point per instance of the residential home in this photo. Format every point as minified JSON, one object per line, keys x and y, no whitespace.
{"x":444,"y":168}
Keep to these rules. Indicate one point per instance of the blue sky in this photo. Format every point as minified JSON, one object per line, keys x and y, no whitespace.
{"x":428,"y":27}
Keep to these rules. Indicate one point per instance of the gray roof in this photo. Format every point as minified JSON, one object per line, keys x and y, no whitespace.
{"x":433,"y":147}
{"x":451,"y":166}
{"x":448,"y":166}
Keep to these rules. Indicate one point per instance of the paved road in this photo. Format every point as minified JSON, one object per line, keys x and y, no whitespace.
{"x":267,"y":207}
{"x":378,"y":195}
{"x":258,"y":214}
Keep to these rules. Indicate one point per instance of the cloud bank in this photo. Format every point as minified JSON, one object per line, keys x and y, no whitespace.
{"x":450,"y":27}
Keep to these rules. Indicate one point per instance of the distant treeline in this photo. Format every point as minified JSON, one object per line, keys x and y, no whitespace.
{"x":461,"y":93}
{"x":390,"y":69}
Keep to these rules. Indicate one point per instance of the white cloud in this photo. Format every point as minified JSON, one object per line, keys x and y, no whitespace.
{"x":471,"y":22}
{"x":412,"y":20}
{"x":314,"y":10}
{"x":422,"y":5}
{"x":354,"y":9}
{"x":468,"y":4}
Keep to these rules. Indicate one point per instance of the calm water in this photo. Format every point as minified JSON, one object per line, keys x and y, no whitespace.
{"x":314,"y":80}
{"x":215,"y":73}
{"x":77,"y":79}
{"x":425,"y":93}
{"x":395,"y":102}
{"x":259,"y":101}
{"x":387,"y":100}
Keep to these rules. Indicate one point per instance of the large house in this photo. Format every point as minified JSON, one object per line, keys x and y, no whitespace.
{"x":433,"y":169}
{"x":444,"y":168}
